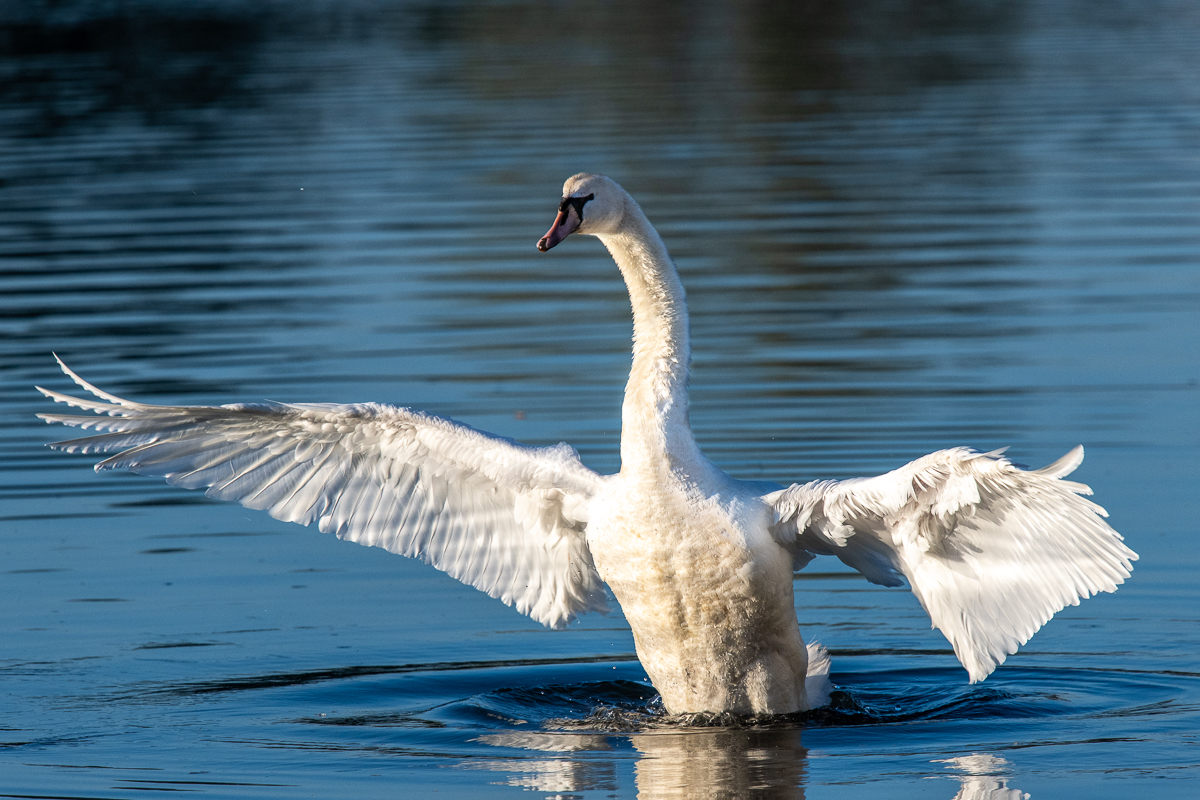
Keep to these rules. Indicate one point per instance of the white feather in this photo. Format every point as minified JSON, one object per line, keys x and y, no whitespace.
{"x":991,"y":551}
{"x":380,"y":476}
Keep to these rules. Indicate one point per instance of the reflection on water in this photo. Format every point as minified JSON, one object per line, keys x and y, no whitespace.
{"x":751,"y":763}
{"x":688,"y":763}
{"x":700,"y":763}
{"x":902,"y":226}
{"x":983,"y":778}
{"x":553,"y":774}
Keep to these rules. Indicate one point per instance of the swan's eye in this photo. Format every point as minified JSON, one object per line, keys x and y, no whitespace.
{"x":576,"y":203}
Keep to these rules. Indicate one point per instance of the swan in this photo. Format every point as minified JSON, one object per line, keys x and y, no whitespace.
{"x":700,"y":562}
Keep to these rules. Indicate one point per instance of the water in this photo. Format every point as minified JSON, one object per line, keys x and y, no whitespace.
{"x":901,"y":228}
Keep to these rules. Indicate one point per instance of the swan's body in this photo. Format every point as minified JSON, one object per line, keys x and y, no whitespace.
{"x":701,"y":563}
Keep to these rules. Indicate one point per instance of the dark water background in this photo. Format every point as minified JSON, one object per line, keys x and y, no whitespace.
{"x":902,"y":226}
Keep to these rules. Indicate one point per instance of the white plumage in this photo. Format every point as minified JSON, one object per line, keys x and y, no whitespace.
{"x":700,"y":562}
{"x":504,"y":518}
{"x":991,"y":551}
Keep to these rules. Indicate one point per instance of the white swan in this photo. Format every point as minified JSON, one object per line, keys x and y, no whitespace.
{"x":701,"y":563}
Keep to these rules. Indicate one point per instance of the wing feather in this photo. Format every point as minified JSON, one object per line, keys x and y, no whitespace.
{"x":991,"y":551}
{"x":503,"y":517}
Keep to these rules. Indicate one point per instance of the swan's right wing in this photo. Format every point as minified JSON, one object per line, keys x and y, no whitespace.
{"x":990,"y":550}
{"x":500,"y":516}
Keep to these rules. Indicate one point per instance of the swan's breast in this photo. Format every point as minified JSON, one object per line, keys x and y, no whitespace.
{"x":704,"y":586}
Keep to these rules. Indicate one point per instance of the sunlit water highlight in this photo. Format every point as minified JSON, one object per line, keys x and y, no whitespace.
{"x":899,"y":230}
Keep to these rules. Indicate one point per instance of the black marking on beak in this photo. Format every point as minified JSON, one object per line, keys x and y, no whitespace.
{"x":576,"y":203}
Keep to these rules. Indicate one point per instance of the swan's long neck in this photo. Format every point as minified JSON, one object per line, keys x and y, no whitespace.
{"x":655,"y":431}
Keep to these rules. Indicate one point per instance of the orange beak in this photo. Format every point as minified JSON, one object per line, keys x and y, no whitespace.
{"x":564,"y":225}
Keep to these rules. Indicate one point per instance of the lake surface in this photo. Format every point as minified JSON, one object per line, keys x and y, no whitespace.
{"x":901,"y":226}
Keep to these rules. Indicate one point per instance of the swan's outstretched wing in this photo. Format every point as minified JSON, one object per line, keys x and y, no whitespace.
{"x":504,"y":518}
{"x":990,"y":550}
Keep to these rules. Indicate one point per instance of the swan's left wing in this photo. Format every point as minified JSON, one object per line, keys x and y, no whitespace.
{"x":500,"y":516}
{"x":990,"y":550}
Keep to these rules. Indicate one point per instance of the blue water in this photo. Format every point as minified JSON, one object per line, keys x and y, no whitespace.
{"x":901,"y":226}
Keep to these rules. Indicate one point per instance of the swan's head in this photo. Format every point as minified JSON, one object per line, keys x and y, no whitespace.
{"x":591,"y":204}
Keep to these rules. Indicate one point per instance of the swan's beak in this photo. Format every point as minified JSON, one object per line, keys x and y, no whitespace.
{"x":565,"y":223}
